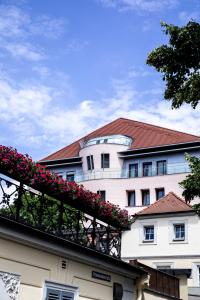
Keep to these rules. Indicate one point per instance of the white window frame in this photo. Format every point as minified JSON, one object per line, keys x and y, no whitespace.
{"x":163,"y":264}
{"x":61,"y":287}
{"x":141,"y":232}
{"x":172,"y":239}
{"x":196,"y":274}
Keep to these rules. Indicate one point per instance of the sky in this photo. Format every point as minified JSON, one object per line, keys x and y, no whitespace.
{"x":68,"y":67}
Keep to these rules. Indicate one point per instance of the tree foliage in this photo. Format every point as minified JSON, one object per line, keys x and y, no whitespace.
{"x":191,"y":184}
{"x":179,"y":62}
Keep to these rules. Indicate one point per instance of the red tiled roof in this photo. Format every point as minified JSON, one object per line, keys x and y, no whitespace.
{"x":144,"y":136}
{"x":170,"y":203}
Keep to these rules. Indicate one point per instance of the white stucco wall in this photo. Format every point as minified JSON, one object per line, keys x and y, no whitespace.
{"x":165,"y":251}
{"x":97,"y":150}
{"x":116,"y":189}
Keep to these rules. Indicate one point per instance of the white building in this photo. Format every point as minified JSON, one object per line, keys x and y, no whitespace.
{"x":130,"y":163}
{"x":165,"y":235}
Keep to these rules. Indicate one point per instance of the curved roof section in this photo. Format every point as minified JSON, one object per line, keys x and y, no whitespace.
{"x":143,"y":135}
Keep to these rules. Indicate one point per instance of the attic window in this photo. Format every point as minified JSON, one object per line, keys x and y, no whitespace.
{"x":111,"y":139}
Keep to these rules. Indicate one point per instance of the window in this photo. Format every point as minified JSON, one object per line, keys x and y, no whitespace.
{"x":147,"y":169}
{"x":149,"y":233}
{"x":105,"y":160}
{"x":60,"y":292}
{"x":161,"y":167}
{"x":70,"y":176}
{"x":59,"y":174}
{"x":160,"y":193}
{"x":103,"y":194}
{"x":90,"y":162}
{"x":179,"y":232}
{"x":131,"y":198}
{"x":198,"y":275}
{"x":163,"y":267}
{"x":133,"y":170}
{"x":145,"y":197}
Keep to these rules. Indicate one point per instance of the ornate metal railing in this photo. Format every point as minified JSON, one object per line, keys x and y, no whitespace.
{"x":23,"y":204}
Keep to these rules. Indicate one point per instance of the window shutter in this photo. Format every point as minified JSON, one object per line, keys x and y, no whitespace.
{"x":67,"y":296}
{"x":53,"y":294}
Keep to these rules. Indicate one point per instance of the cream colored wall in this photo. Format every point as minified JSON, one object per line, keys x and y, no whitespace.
{"x":148,"y":295}
{"x":116,"y":189}
{"x":35,"y":266}
{"x":96,"y":150}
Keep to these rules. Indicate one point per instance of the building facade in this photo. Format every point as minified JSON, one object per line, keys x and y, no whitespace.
{"x":165,"y":236}
{"x":129,"y":163}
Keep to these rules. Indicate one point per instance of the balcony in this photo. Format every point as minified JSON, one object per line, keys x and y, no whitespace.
{"x":35,"y":209}
{"x":175,"y":168}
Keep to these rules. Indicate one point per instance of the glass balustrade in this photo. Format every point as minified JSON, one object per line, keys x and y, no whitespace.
{"x":124,"y":173}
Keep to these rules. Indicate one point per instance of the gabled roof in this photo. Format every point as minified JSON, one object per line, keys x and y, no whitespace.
{"x":170,"y":203}
{"x":144,"y":136}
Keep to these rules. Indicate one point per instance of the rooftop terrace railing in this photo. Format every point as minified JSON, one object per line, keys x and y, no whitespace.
{"x":25,"y":205}
{"x":124,"y":173}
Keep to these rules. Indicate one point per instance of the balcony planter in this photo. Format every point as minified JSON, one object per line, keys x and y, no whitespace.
{"x":21,"y":168}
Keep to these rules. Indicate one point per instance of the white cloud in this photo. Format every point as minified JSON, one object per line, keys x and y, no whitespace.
{"x":25,"y":50}
{"x":18,"y":27}
{"x":36,"y":118}
{"x":47,"y":26}
{"x":140,"y":5}
{"x":15,"y":21}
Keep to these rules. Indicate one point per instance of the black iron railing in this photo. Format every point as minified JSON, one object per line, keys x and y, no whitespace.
{"x":33,"y":208}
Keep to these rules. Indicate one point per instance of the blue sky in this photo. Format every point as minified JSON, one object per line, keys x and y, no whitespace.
{"x":70,"y":66}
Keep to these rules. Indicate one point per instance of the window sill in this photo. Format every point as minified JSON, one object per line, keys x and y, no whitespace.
{"x":179,"y":242}
{"x":148,"y":241}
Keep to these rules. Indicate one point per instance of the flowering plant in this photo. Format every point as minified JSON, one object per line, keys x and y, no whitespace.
{"x":22,"y":168}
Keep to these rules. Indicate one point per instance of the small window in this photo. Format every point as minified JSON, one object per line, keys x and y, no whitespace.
{"x":147,"y":169}
{"x":131,"y":198}
{"x":167,"y":267}
{"x":145,"y":197}
{"x":90,"y":162}
{"x":70,"y":176}
{"x":179,"y":232}
{"x":105,"y":160}
{"x":103,"y":194}
{"x":133,"y":170}
{"x":160,"y":193}
{"x":59,"y":174}
{"x":161,"y":167}
{"x":59,"y":292}
{"x":149,"y":233}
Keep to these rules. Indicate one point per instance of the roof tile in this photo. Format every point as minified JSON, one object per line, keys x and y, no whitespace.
{"x":144,"y":136}
{"x":170,"y":203}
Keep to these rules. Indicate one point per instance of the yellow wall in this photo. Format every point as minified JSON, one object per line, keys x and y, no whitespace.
{"x":35,"y":266}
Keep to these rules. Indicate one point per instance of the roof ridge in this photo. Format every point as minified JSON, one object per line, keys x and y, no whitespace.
{"x":160,"y":201}
{"x":160,"y":127}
